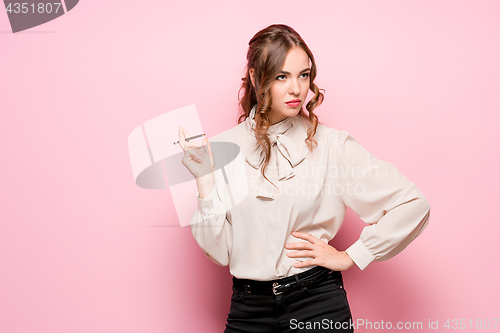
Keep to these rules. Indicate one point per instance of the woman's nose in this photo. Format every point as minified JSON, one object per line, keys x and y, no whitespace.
{"x":294,"y":87}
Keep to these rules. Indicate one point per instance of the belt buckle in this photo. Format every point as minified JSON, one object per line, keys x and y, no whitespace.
{"x":276,"y":285}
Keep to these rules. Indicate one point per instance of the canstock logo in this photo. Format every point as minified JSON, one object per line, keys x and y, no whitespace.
{"x":26,"y":15}
{"x":157,"y":163}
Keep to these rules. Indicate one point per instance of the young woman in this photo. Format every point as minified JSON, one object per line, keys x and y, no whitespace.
{"x":300,"y":177}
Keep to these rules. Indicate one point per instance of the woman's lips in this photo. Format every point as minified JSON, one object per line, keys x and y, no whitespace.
{"x":297,"y":103}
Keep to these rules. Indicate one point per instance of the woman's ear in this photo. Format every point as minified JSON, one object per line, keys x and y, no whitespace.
{"x":252,"y":76}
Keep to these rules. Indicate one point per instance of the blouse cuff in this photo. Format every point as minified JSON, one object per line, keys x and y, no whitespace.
{"x":208,"y":205}
{"x":360,"y":254}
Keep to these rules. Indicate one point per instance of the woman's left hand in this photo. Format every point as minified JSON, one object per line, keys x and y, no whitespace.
{"x":324,"y":254}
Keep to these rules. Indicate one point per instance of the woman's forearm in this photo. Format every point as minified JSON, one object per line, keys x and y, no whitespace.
{"x":205,"y":185}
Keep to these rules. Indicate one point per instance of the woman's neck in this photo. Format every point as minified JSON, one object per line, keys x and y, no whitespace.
{"x":257,"y":118}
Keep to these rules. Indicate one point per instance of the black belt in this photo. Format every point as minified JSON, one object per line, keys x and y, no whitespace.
{"x":279,"y":286}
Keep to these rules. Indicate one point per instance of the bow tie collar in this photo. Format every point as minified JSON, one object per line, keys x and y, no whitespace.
{"x":288,"y":136}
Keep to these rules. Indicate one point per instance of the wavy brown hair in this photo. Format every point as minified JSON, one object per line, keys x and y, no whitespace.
{"x":267,"y":52}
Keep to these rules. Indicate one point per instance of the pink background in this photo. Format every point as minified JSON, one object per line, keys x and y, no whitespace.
{"x":416,"y":82}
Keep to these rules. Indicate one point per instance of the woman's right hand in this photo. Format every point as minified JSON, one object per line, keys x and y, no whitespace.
{"x":199,"y":161}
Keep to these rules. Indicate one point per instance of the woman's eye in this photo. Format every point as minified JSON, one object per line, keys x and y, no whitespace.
{"x":283,"y":77}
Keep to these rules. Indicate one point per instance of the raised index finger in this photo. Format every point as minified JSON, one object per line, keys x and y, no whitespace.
{"x":182,"y":138}
{"x":185,"y":134}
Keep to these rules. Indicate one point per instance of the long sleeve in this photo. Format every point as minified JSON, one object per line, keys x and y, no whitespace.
{"x":211,"y":227}
{"x":394,"y":208}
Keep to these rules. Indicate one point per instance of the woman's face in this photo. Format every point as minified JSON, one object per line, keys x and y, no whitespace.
{"x":289,"y":89}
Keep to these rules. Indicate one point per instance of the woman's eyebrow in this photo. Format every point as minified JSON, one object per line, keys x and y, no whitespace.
{"x":302,"y":71}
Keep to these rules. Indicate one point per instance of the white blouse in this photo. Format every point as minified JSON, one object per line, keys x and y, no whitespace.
{"x":313,"y":191}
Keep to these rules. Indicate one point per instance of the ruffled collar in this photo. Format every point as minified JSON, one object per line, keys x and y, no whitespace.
{"x":289,"y":136}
